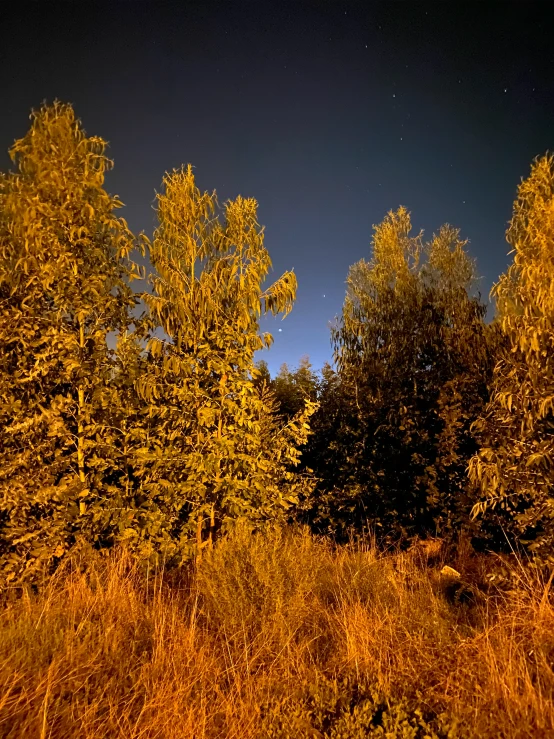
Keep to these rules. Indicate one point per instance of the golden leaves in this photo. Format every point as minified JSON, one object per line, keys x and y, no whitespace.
{"x":517,"y":422}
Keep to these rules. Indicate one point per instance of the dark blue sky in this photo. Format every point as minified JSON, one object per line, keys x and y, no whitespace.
{"x":329,"y":113}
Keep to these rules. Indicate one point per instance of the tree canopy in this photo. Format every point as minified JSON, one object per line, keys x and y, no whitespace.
{"x":414,"y":357}
{"x":514,"y":469}
{"x":64,"y":286}
{"x":161,"y":431}
{"x":162,"y":439}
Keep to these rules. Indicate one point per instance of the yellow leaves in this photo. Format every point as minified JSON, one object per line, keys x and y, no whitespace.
{"x":88,"y":211}
{"x":535,"y":460}
{"x":173,"y":427}
{"x":29,"y":536}
{"x":395,"y":255}
{"x":479,"y":509}
{"x":518,"y":448}
{"x":546,"y":406}
{"x":206,"y":415}
{"x":534,"y":342}
{"x":506,"y":400}
{"x":208,"y":286}
{"x":128,"y":534}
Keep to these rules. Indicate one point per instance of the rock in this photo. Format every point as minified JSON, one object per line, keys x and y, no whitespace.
{"x":450,"y":572}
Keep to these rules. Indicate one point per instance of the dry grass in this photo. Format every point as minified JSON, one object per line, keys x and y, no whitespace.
{"x":278,"y":636}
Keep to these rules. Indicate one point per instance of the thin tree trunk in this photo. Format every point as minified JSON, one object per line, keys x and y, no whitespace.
{"x":199,"y":539}
{"x":222,"y":391}
{"x":212,"y":527}
{"x":81,"y":425}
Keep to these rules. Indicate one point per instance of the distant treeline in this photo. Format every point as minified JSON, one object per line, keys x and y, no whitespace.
{"x":433,"y":422}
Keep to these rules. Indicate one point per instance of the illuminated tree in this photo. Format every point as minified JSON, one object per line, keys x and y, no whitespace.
{"x":262,"y":376}
{"x":208,"y":460}
{"x":514,"y":470}
{"x":64,"y":286}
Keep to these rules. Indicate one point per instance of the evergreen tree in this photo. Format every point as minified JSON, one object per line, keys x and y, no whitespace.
{"x":514,"y":469}
{"x":293,"y":387}
{"x":64,"y":286}
{"x":262,"y":375}
{"x":306,"y":379}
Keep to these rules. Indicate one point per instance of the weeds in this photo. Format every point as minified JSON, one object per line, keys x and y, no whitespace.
{"x":278,"y":635}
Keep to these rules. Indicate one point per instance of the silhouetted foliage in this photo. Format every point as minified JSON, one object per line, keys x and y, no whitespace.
{"x":293,"y":387}
{"x":414,"y":360}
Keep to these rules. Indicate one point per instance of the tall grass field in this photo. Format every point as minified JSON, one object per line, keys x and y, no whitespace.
{"x":279,"y":634}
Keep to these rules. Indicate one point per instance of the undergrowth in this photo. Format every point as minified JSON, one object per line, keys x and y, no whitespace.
{"x":280,"y":635}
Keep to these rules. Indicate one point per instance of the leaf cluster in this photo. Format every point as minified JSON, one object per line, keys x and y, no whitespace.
{"x":414,"y":358}
{"x":145,"y":430}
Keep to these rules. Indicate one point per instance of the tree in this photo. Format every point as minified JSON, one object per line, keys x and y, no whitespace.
{"x":335,"y":505}
{"x":514,"y":469}
{"x":293,"y":387}
{"x":64,"y":286}
{"x":262,"y":375}
{"x":207,"y":460}
{"x":413,"y":357}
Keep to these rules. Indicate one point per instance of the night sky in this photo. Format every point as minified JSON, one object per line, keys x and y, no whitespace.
{"x":328,"y":113}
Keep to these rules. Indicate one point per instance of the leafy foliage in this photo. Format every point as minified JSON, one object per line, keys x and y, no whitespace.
{"x":165,"y":439}
{"x":514,"y":469}
{"x":212,"y":452}
{"x":293,"y":387}
{"x":353,"y":709}
{"x":414,"y":357}
{"x":159,"y":432}
{"x":262,"y":376}
{"x":64,"y":286}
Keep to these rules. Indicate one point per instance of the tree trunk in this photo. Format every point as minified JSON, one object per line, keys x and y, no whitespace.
{"x":81,"y":425}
